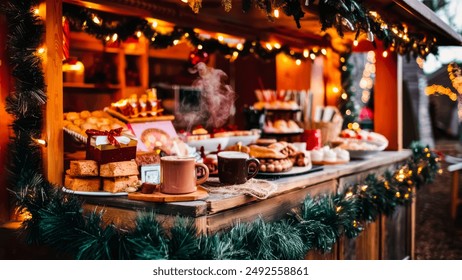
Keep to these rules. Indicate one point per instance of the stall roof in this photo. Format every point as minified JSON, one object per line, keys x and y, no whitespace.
{"x":255,"y":24}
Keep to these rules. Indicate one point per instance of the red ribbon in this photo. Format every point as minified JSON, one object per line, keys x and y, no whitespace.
{"x":110,"y":134}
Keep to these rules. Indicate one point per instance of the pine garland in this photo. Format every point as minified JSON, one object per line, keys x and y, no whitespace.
{"x":57,"y":219}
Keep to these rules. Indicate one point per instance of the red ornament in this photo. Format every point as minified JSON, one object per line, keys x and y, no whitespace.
{"x":197,"y":56}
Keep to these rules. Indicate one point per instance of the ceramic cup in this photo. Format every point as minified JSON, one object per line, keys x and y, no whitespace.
{"x":178,"y":174}
{"x":233,"y":167}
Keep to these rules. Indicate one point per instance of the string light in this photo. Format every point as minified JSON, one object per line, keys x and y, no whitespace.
{"x":154,"y":24}
{"x":40,"y":142}
{"x":324,"y":51}
{"x":355,"y":43}
{"x":335,"y":89}
{"x":115,"y":37}
{"x":97,"y":20}
{"x":312,"y":56}
{"x":200,"y":47}
{"x":220,"y":38}
{"x":239,"y":46}
{"x":184,"y":1}
{"x":41,"y":51}
{"x":276,"y":13}
{"x":306,"y":53}
{"x":344,"y":96}
{"x":440,"y":90}
{"x":298,"y":62}
{"x":138,"y":34}
{"x":277,"y":46}
{"x":175,"y":42}
{"x":36,"y":11}
{"x":385,"y":54}
{"x":268,"y":46}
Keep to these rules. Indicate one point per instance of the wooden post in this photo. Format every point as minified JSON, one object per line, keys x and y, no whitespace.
{"x":388,"y":115}
{"x":5,"y":119}
{"x":53,"y":126}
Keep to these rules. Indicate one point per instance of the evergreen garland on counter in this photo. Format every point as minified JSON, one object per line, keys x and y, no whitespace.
{"x":56,"y":219}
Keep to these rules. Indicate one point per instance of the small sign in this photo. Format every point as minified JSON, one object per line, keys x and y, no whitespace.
{"x":150,"y":173}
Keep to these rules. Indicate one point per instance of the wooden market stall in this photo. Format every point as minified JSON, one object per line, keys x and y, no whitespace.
{"x":386,"y":238}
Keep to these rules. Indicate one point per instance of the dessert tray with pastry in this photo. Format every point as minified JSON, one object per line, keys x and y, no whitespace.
{"x":326,"y":156}
{"x":282,"y":127}
{"x":76,"y":123}
{"x":277,"y":158}
{"x":361,"y":143}
{"x":275,"y":100}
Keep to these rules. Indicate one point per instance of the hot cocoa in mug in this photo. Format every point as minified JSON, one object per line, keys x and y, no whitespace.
{"x":234,"y":167}
{"x":178,"y":174}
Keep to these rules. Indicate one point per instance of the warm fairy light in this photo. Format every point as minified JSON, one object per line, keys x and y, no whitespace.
{"x":355,"y":223}
{"x":348,"y":112}
{"x":338,"y":208}
{"x":96,"y":20}
{"x":234,"y":57}
{"x":441,"y":90}
{"x":400,"y":176}
{"x":312,"y":56}
{"x":349,"y":194}
{"x":373,"y":13}
{"x":306,"y":53}
{"x":200,"y":47}
{"x":40,"y":142}
{"x":419,"y":169}
{"x":153,"y":39}
{"x":138,"y":34}
{"x":154,"y":24}
{"x":427,"y":50}
{"x":355,"y":126}
{"x":115,"y":37}
{"x":277,"y":46}
{"x":355,"y":43}
{"x":268,"y":46}
{"x":344,"y":68}
{"x":344,"y":96}
{"x":398,"y":194}
{"x":175,"y":42}
{"x":184,"y":1}
{"x":406,"y":196}
{"x":324,"y":51}
{"x":239,"y":46}
{"x":364,"y":188}
{"x":41,"y":50}
{"x":298,"y":62}
{"x":440,"y":171}
{"x":220,"y":38}
{"x":385,"y":54}
{"x":36,"y":11}
{"x":429,"y":155}
{"x":335,"y":89}
{"x":276,"y":13}
{"x":410,"y":183}
{"x":109,"y":38}
{"x":387,"y":185}
{"x":342,"y":59}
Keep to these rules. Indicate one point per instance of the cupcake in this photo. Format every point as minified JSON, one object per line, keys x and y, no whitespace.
{"x":342,"y":155}
{"x":317,"y":155}
{"x":330,"y":156}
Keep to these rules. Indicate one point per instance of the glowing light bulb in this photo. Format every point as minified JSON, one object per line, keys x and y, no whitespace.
{"x":306,"y":53}
{"x":108,"y":38}
{"x":96,"y":20}
{"x":175,"y":42}
{"x":200,"y":47}
{"x":342,"y":59}
{"x":41,"y":51}
{"x":184,"y":1}
{"x":154,"y":24}
{"x":344,"y":96}
{"x":348,"y":112}
{"x":36,"y":11}
{"x":355,"y":126}
{"x":355,"y":43}
{"x":220,"y":38}
{"x":312,"y":56}
{"x":138,"y":34}
{"x":385,"y":54}
{"x":268,"y":46}
{"x":298,"y":62}
{"x":335,"y":89}
{"x":115,"y":37}
{"x":240,"y":46}
{"x":324,"y":51}
{"x":276,"y":13}
{"x":277,"y":46}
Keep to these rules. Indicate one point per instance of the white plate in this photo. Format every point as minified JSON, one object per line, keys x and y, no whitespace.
{"x":209,"y":144}
{"x":296,"y":170}
{"x":94,"y":193}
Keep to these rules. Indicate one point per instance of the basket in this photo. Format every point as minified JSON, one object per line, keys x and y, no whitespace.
{"x":329,"y":130}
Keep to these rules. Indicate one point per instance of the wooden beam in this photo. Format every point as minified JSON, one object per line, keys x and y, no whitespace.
{"x":5,"y":119}
{"x":388,"y":107}
{"x":53,"y":125}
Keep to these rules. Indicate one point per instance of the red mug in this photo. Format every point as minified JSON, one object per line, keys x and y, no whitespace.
{"x":312,"y":137}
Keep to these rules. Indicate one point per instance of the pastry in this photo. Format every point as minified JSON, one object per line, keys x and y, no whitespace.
{"x":71,"y":116}
{"x":83,"y":168}
{"x":342,"y":155}
{"x":265,"y":153}
{"x":238,"y":148}
{"x":265,"y":141}
{"x":317,"y":155}
{"x":329,"y":156}
{"x":281,"y":126}
{"x":118,"y":169}
{"x":85,"y":114}
{"x":87,"y":184}
{"x":120,"y":184}
{"x":293,"y":126}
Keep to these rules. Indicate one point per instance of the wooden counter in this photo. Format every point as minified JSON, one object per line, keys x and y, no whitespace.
{"x":386,"y":238}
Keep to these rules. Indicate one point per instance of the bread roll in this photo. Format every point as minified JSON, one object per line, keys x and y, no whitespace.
{"x":265,"y":152}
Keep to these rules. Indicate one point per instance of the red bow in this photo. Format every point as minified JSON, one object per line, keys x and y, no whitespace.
{"x":110,"y":134}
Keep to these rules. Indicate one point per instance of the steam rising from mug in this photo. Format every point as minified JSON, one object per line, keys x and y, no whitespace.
{"x":217,"y":97}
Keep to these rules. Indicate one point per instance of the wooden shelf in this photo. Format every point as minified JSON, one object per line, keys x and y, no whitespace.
{"x":91,"y":86}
